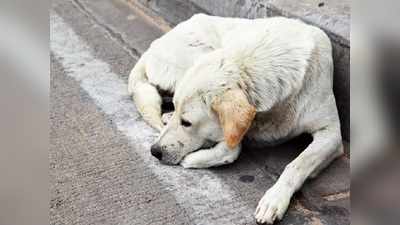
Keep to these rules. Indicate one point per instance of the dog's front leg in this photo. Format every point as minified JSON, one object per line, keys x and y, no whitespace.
{"x":325,"y":147}
{"x":216,"y":156}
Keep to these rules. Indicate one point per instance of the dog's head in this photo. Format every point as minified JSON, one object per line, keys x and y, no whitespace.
{"x":206,"y":112}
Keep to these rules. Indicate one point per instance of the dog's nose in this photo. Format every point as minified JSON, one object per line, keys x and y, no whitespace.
{"x":156,"y":151}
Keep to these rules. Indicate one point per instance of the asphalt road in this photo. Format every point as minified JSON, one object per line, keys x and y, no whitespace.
{"x":100,"y":164}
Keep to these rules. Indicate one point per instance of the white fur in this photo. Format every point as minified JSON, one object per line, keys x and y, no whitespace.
{"x":283,"y":66}
{"x":219,"y":155}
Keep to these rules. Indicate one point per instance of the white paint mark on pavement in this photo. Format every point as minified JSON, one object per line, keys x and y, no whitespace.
{"x":131,"y":17}
{"x":205,"y":197}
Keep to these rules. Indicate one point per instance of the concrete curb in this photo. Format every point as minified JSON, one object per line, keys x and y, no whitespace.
{"x":331,"y":16}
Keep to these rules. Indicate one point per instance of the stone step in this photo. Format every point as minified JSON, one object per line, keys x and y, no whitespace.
{"x":330,"y":15}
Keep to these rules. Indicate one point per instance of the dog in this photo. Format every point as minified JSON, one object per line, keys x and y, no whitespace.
{"x":267,"y":79}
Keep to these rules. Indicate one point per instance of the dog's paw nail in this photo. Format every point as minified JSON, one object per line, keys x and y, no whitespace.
{"x":272,"y":205}
{"x":185,"y":165}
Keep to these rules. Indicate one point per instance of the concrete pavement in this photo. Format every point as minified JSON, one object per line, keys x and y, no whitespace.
{"x":101,"y":168}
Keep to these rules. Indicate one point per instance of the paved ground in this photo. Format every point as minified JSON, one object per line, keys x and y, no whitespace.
{"x":100,"y":165}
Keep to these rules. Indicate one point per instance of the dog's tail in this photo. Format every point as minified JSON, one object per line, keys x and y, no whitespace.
{"x":146,"y":97}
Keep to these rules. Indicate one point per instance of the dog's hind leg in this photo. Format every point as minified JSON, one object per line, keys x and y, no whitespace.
{"x":325,"y":147}
{"x":146,"y":97}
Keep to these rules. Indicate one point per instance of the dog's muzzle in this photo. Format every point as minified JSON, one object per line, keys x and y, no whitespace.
{"x":157,"y":151}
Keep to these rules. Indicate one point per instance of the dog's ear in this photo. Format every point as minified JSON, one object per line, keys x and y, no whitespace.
{"x":235,"y":114}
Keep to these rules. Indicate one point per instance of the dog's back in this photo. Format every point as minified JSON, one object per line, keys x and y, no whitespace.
{"x":279,"y":53}
{"x":285,"y":56}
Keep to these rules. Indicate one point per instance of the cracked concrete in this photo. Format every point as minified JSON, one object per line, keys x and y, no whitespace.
{"x":114,"y":35}
{"x":337,"y":196}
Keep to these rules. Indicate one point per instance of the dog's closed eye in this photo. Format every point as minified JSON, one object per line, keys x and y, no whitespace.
{"x":185,"y":123}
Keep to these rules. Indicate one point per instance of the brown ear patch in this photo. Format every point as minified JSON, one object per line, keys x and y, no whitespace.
{"x":235,"y":114}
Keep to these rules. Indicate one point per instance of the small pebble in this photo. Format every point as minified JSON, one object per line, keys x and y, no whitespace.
{"x":131,"y":17}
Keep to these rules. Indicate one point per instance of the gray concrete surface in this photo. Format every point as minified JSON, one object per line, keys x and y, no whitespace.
{"x":333,"y":16}
{"x":100,"y":166}
{"x":93,"y":171}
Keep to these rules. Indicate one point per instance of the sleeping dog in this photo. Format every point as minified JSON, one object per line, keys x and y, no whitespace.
{"x":267,"y":79}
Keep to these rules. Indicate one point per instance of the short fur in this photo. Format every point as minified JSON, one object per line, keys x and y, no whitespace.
{"x":235,"y":115}
{"x":268,"y":79}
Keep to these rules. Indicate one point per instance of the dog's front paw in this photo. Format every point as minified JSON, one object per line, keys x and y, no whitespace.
{"x":189,"y":165}
{"x":195,"y":160}
{"x":273,"y":205}
{"x":216,"y":156}
{"x":207,"y":158}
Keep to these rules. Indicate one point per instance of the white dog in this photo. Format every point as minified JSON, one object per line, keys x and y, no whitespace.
{"x":269,"y":79}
